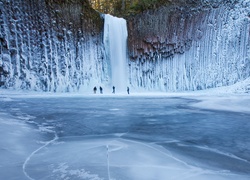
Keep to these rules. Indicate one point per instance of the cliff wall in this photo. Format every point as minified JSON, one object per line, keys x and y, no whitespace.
{"x":57,"y":45}
{"x":190,"y":46}
{"x":50,"y":45}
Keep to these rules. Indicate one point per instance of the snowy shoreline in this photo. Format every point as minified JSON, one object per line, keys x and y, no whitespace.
{"x":235,"y":98}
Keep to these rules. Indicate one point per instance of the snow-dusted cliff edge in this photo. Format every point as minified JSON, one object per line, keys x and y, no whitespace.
{"x":51,"y":46}
{"x":190,"y":48}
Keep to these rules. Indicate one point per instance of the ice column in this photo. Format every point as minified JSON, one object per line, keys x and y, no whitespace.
{"x":115,"y":41}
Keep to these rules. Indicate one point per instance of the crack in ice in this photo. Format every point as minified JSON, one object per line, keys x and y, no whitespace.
{"x":108,"y":161}
{"x":33,"y":153}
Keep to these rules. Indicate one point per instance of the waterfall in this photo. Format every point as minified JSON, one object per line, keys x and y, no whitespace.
{"x":115,"y":42}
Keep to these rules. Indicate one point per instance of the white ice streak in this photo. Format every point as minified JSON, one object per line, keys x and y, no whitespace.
{"x":6,"y":99}
{"x":220,"y":152}
{"x":107,"y":146}
{"x":33,"y":153}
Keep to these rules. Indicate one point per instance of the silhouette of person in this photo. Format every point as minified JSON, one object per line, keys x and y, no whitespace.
{"x":128,"y":90}
{"x":100,"y":89}
{"x":94,"y":90}
{"x":113,"y":89}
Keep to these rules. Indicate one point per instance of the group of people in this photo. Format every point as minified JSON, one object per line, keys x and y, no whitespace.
{"x":101,"y":90}
{"x":95,"y":89}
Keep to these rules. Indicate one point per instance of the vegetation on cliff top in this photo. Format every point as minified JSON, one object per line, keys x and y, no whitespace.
{"x":126,"y":7}
{"x":123,"y":8}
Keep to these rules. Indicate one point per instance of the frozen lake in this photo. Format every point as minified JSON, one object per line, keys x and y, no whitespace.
{"x":122,"y":138}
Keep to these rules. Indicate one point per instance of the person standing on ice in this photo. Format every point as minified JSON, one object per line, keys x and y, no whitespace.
{"x":94,"y":90}
{"x":113,"y":89}
{"x":128,"y":90}
{"x":100,"y":89}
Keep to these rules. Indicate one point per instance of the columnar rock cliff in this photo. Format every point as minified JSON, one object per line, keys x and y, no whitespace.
{"x":57,"y":45}
{"x":190,"y":47}
{"x":50,"y":45}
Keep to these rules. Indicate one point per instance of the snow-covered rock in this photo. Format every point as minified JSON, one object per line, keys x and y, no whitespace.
{"x":189,"y":47}
{"x":51,"y":46}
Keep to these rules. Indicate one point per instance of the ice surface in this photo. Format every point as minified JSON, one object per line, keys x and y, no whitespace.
{"x":15,"y":145}
{"x":234,"y":104}
{"x":142,"y":136}
{"x":114,"y":158}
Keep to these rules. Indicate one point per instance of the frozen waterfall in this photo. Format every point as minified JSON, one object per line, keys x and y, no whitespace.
{"x":115,"y":41}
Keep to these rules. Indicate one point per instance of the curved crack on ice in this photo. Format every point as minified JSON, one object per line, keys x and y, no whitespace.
{"x":170,"y":155}
{"x":33,"y":153}
{"x":108,"y":160}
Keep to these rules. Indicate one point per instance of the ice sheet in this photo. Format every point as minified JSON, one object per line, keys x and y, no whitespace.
{"x":15,"y":146}
{"x":240,"y":103}
{"x":114,"y":158}
{"x":28,"y":156}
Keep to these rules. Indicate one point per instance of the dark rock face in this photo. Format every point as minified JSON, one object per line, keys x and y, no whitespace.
{"x":45,"y":44}
{"x":189,"y":47}
{"x":171,"y":29}
{"x":166,"y":31}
